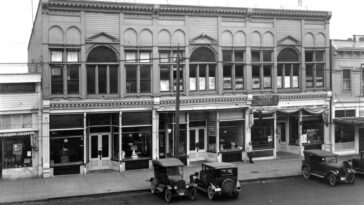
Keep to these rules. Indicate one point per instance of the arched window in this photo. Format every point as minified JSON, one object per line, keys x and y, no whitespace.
{"x":288,"y":69}
{"x":102,"y":71}
{"x":202,"y":70}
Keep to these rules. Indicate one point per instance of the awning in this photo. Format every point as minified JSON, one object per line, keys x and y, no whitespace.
{"x":350,"y":120}
{"x":14,"y":134}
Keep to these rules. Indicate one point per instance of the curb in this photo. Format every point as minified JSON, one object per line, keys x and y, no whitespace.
{"x":98,"y":195}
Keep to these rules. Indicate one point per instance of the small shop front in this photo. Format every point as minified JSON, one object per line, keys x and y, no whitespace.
{"x":349,"y":135}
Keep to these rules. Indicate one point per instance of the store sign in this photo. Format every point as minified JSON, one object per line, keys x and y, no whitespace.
{"x":212,"y":128}
{"x":17,"y":149}
{"x":266,"y":100}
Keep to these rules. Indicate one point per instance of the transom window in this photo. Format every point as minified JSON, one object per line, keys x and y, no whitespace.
{"x":138,"y":66}
{"x":262,"y":64}
{"x":288,"y":69}
{"x":202,"y":70}
{"x":315,"y":66}
{"x":168,"y":70}
{"x":65,"y":77}
{"x":102,"y":71}
{"x":233,"y":69}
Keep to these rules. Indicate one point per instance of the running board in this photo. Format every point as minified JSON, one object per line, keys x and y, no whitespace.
{"x":317,"y":175}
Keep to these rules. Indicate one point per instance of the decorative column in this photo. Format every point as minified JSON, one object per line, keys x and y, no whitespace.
{"x":300,"y":147}
{"x":46,"y":140}
{"x":121,"y":152}
{"x":155,"y":134}
{"x":85,"y":154}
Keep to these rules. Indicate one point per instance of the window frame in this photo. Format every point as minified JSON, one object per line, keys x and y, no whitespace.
{"x":233,"y":64}
{"x":346,"y":80}
{"x":314,"y":61}
{"x":262,"y":63}
{"x":171,"y":65}
{"x":293,"y":64}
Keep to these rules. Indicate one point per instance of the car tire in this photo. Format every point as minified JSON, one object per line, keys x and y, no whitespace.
{"x":235,"y":194}
{"x":306,"y":173}
{"x":332,"y":179}
{"x":192,"y":193}
{"x":168,"y":195}
{"x":351,"y":178}
{"x":210,"y":192}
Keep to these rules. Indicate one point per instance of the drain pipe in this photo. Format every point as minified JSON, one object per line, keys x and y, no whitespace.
{"x":331,"y":122}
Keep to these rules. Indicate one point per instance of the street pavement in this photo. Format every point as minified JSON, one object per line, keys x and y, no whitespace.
{"x":112,"y":182}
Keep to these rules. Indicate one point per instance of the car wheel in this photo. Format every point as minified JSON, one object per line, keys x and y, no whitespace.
{"x":351,"y":178}
{"x":306,"y":172}
{"x":332,"y":179}
{"x":168,"y":195}
{"x":192,"y":194}
{"x":210,"y":193}
{"x":235,"y":194}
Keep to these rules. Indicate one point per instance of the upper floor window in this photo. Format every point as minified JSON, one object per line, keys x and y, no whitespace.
{"x":17,"y":88}
{"x":233,"y":69}
{"x":15,"y":121}
{"x":202,"y":70}
{"x":102,"y":71}
{"x":346,"y":80}
{"x":65,"y":76}
{"x":288,"y":69}
{"x":262,"y":65}
{"x":168,"y":70}
{"x":315,"y":66}
{"x":138,"y":66}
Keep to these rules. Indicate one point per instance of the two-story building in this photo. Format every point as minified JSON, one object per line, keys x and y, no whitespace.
{"x":348,"y":111}
{"x":20,"y":126}
{"x":109,"y":83}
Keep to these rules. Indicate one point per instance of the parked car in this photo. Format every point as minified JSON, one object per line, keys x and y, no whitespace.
{"x":324,"y":164}
{"x":217,"y":178}
{"x":168,"y":179}
{"x":358,"y":163}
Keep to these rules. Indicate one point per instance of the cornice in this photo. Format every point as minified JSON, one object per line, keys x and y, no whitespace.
{"x":194,"y":100}
{"x":184,"y":9}
{"x":304,"y":96}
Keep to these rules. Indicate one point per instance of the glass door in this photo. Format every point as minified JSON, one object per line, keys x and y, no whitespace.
{"x":100,"y":151}
{"x":197,"y":144}
{"x":281,"y":136}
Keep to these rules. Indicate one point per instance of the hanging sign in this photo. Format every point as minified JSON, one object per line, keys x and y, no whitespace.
{"x":17,"y":149}
{"x":265,"y":100}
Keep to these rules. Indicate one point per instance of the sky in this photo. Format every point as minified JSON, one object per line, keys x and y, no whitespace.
{"x":16,"y":21}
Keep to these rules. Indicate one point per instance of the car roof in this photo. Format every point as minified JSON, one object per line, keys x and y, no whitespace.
{"x":321,"y":153}
{"x":219,"y":165}
{"x":167,"y":162}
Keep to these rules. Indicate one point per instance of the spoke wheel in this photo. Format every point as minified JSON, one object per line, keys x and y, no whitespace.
{"x":192,"y":194}
{"x":306,"y":172}
{"x":351,"y":178}
{"x":168,"y":195}
{"x":210,"y":193}
{"x":332,"y":179}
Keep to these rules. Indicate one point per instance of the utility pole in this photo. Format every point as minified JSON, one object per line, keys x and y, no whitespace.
{"x":176,"y":121}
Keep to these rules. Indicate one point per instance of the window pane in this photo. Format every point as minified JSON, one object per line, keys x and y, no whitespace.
{"x":193,"y":70}
{"x":227,"y":77}
{"x":72,"y":56}
{"x":267,"y":72}
{"x":16,"y":121}
{"x":267,"y":56}
{"x":239,"y":56}
{"x":227,"y":55}
{"x":27,"y":121}
{"x":5,"y":122}
{"x":17,"y":88}
{"x":144,"y":57}
{"x":202,"y":77}
{"x":309,"y":56}
{"x":15,"y":152}
{"x":130,"y":56}
{"x":212,"y":79}
{"x":180,"y":78}
{"x":255,"y":56}
{"x":131,"y":79}
{"x":56,"y":56}
{"x":164,"y":56}
{"x":164,"y":78}
{"x":102,"y":79}
{"x":91,"y":79}
{"x":105,"y":145}
{"x":320,"y":56}
{"x":239,"y":77}
{"x":320,"y":75}
{"x":280,"y":76}
{"x":94,"y":146}
{"x":57,"y":80}
{"x":114,"y":76}
{"x":72,"y":79}
{"x":295,"y":76}
{"x":287,"y":76}
{"x":174,"y":59}
{"x":309,"y":75}
{"x":145,"y":79}
{"x":256,"y":76}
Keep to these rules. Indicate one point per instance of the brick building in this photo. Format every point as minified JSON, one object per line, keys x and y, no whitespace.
{"x":109,"y":82}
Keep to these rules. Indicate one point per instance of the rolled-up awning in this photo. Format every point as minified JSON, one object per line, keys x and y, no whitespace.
{"x":350,"y":120}
{"x":14,"y":134}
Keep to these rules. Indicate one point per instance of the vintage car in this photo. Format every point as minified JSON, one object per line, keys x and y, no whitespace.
{"x":358,"y":163}
{"x":217,"y":178}
{"x":324,"y":164}
{"x":168,"y":179}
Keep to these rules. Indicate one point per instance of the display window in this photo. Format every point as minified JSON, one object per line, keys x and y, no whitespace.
{"x":137,"y":142}
{"x":231,"y":135}
{"x":262,"y":134}
{"x":344,"y":137}
{"x":66,"y":147}
{"x":17,"y":152}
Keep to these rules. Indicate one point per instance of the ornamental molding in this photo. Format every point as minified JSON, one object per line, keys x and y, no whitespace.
{"x":183,"y":9}
{"x":204,"y":100}
{"x":84,"y":105}
{"x":303,"y":96}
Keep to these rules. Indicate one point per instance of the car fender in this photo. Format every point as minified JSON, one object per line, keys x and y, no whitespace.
{"x":306,"y":165}
{"x":334,"y":172}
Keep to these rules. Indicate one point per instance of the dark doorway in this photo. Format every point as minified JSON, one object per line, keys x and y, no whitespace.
{"x":361,"y":139}
{"x":1,"y":158}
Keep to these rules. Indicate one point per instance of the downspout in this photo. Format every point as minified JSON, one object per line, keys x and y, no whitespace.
{"x":332,"y":96}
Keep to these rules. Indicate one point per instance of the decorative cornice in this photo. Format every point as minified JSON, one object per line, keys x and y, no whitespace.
{"x":203,"y":100}
{"x":305,"y":96}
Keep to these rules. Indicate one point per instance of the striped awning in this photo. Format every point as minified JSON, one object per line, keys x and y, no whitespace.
{"x":350,"y":120}
{"x":14,"y":134}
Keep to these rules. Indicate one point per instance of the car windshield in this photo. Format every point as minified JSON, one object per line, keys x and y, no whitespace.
{"x":225,"y":172}
{"x":174,"y":170}
{"x":331,"y":159}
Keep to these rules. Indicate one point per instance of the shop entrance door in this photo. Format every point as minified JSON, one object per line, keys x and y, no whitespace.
{"x":100,"y":151}
{"x":281,"y":136}
{"x":197,"y":145}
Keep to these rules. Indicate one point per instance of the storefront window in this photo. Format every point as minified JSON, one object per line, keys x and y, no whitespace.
{"x":66,"y":147}
{"x":293,"y":129}
{"x":137,"y":142}
{"x":17,"y":152}
{"x":262,"y":134}
{"x":313,"y":130}
{"x":231,"y":135}
{"x":344,"y":137}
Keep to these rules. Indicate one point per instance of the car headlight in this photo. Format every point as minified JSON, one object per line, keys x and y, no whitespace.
{"x":187,"y":186}
{"x":217,"y":189}
{"x":175,"y":187}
